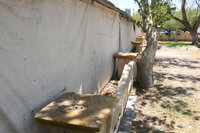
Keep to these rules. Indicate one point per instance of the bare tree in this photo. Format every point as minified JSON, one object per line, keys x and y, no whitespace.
{"x":154,"y":13}
{"x":198,"y":3}
{"x":191,"y":28}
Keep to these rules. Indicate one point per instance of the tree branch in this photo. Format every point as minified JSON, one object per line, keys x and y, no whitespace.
{"x":179,"y":20}
{"x":196,"y":24}
{"x":186,"y":24}
{"x":183,"y":11}
{"x":140,"y":6}
{"x":198,"y":3}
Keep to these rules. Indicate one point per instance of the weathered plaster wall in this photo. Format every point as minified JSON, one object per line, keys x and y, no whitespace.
{"x":126,"y":35}
{"x":138,"y":31}
{"x":128,"y":32}
{"x":46,"y":45}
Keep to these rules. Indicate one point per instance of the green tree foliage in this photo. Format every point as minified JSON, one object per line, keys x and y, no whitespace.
{"x":173,"y":25}
{"x":138,"y":18}
{"x":152,"y":13}
{"x":192,"y":15}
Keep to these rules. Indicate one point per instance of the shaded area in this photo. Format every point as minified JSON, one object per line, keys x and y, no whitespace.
{"x":110,"y":88}
{"x":126,"y":122}
{"x":165,"y":98}
{"x":156,"y":94}
{"x":177,"y":62}
{"x":162,"y":98}
{"x":173,"y":104}
{"x":145,"y":125}
{"x":179,"y":77}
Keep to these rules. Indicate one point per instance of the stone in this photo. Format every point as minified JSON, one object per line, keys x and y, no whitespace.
{"x":126,"y":124}
{"x":124,"y":58}
{"x":125,"y":85}
{"x":82,"y":112}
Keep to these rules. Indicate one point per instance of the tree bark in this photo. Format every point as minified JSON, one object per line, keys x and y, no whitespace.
{"x":191,"y":29}
{"x":195,"y":40}
{"x":146,"y":60}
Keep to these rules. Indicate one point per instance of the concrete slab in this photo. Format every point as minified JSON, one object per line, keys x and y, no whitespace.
{"x":82,"y":112}
{"x":89,"y":113}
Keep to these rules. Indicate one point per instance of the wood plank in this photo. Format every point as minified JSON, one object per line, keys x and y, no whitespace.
{"x":126,"y":55}
{"x":136,"y":43}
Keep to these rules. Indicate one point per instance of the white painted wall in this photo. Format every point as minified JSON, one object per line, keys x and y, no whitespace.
{"x":46,"y":45}
{"x":138,"y":31}
{"x":126,"y":33}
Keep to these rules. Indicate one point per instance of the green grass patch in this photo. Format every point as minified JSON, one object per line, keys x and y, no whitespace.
{"x":175,"y":44}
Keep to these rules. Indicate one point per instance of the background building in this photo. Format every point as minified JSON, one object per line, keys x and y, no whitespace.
{"x":128,"y":10}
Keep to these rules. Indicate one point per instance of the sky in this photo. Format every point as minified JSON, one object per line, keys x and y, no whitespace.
{"x":122,"y":4}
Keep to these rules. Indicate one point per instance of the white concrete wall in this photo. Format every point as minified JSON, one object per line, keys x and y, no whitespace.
{"x":46,"y":45}
{"x":127,"y":35}
{"x":138,"y":31}
{"x":128,"y":32}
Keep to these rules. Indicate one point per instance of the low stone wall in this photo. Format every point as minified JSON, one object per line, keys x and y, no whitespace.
{"x":125,"y":84}
{"x":175,"y":37}
{"x":113,"y":120}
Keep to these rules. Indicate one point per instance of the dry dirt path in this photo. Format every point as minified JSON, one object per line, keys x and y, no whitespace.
{"x":173,"y":105}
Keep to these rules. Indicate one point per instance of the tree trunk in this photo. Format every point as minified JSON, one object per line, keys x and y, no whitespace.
{"x":195,"y":40}
{"x":185,"y":22}
{"x":146,"y":60}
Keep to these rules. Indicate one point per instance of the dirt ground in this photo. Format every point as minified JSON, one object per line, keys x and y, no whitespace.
{"x":173,"y":105}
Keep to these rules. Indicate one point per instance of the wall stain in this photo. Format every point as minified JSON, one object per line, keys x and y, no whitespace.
{"x":12,"y":10}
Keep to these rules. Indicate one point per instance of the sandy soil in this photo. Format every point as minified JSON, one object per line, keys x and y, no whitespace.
{"x":173,"y":105}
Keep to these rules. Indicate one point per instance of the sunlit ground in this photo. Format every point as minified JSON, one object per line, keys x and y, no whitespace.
{"x":173,"y":105}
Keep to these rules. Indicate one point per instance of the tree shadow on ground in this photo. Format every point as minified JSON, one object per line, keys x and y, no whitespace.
{"x":178,"y":77}
{"x":164,"y":91}
{"x":167,"y":98}
{"x":169,"y":62}
{"x":171,"y":101}
{"x":145,"y":125}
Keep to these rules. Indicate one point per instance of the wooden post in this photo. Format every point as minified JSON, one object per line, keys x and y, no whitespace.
{"x":138,"y":46}
{"x":124,"y":58}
